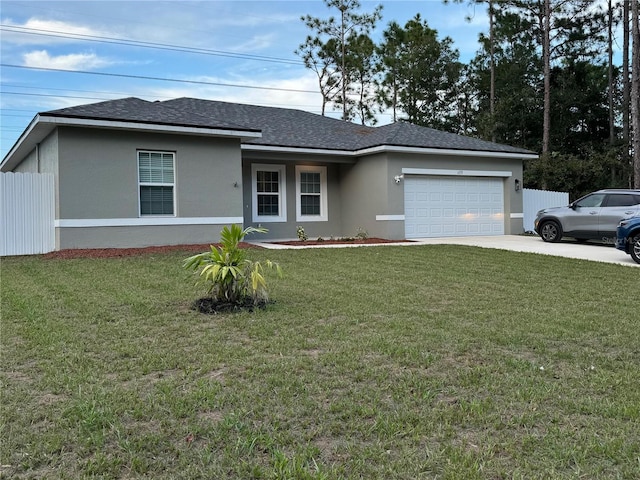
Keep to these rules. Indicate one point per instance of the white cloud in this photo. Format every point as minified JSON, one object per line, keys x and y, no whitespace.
{"x":289,"y":95}
{"x":73,"y":61}
{"x":257,"y":42}
{"x":37,"y":31}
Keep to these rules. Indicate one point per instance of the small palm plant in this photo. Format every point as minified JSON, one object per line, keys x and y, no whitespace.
{"x":226,"y":272}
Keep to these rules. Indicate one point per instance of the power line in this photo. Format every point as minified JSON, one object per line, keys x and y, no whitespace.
{"x":142,"y":44}
{"x":161,"y":79}
{"x":15,"y":85}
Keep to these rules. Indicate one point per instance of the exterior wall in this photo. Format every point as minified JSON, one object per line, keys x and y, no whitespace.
{"x":374,"y":201}
{"x":29,"y":164}
{"x":512,"y":200}
{"x":287,"y":230}
{"x":98,"y":189}
{"x":140,"y":236}
{"x":367,"y":190}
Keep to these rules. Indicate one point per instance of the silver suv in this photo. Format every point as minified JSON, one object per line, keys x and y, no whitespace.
{"x":592,"y":217}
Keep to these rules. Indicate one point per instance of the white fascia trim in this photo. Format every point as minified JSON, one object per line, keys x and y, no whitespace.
{"x":383,"y":218}
{"x":145,"y":221}
{"x":149,"y":127}
{"x":317,"y":151}
{"x":447,"y":151}
{"x":390,"y":148}
{"x":517,"y":215}
{"x":19,"y":142}
{"x":456,"y":173}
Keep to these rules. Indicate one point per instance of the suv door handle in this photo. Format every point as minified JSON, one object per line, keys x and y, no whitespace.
{"x":629,"y":212}
{"x":593,"y":213}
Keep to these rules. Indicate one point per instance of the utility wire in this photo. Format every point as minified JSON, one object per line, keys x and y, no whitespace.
{"x":161,"y":79}
{"x":142,"y":44}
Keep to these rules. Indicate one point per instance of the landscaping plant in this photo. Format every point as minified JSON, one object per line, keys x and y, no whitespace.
{"x":229,"y":276}
{"x":302,"y":236}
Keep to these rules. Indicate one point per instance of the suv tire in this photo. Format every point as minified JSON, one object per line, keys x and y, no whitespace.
{"x":635,"y":249}
{"x":551,"y":231}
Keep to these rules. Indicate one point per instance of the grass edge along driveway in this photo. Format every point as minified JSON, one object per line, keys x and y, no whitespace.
{"x":381,"y":362}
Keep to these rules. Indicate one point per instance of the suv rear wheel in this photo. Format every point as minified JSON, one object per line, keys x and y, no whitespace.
{"x":551,"y":231}
{"x":635,"y":249}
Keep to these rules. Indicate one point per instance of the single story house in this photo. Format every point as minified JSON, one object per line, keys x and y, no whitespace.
{"x":133,"y":173}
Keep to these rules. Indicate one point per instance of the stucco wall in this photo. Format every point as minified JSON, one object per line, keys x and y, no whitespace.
{"x":512,"y":199}
{"x":375,"y":200}
{"x":98,"y":181}
{"x":365,"y":191}
{"x":287,"y":230}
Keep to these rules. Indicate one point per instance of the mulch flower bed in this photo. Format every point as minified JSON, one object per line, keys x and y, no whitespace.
{"x":196,"y":248}
{"x":211,"y":306}
{"x":356,"y":241}
{"x":130,"y":252}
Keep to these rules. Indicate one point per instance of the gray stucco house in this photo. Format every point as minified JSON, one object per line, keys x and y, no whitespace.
{"x":132,"y":173}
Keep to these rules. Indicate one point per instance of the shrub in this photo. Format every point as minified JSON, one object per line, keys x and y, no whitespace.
{"x":362,"y":234}
{"x":302,"y":236}
{"x":226,"y":272}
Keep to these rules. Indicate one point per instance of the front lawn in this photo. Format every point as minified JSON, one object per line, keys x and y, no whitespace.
{"x":433,"y":362}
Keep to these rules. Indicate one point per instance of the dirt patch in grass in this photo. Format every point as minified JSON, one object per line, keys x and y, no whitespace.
{"x":130,"y":252}
{"x":212,"y":306}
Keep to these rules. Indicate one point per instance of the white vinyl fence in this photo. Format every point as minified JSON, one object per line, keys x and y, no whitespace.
{"x":27,"y":211}
{"x":535,"y":200}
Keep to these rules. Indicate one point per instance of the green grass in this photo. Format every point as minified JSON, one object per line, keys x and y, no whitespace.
{"x":433,"y":362}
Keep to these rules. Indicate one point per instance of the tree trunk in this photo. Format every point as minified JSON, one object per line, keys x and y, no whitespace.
{"x":546,"y":55}
{"x":343,"y":9}
{"x":635,"y":90}
{"x":626,"y":88}
{"x":492,"y":73}
{"x":612,"y":131}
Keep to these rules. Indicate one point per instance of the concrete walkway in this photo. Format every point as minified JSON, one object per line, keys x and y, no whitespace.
{"x":534,"y":244}
{"x":517,"y":243}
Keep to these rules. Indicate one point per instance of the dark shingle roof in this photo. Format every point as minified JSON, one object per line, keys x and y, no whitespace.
{"x":280,"y":127}
{"x":141,"y":111}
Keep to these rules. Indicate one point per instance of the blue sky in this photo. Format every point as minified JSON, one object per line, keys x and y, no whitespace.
{"x":244,"y":43}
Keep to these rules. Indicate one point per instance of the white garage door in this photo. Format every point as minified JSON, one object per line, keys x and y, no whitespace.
{"x":440,"y":206}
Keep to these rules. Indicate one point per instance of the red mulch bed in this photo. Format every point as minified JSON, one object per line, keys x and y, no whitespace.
{"x":366,"y":241}
{"x":196,"y":248}
{"x":130,"y":252}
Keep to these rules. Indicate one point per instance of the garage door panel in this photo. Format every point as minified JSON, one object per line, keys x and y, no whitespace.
{"x":442,"y":206}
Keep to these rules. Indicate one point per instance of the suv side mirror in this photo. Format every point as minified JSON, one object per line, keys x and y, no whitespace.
{"x":573,"y":206}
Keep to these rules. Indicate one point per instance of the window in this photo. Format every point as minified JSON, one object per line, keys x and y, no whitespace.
{"x":591,"y":201}
{"x":621,"y":200}
{"x":156,"y":183}
{"x":269,"y":193}
{"x":311,"y":194}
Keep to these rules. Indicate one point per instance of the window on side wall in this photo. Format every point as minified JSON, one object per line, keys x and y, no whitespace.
{"x":156,"y":182}
{"x":311,"y":194}
{"x":268,"y":185}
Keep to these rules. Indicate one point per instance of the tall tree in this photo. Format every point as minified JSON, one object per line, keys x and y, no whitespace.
{"x":492,"y":71}
{"x":426,"y":75}
{"x":389,"y":65}
{"x":329,"y":42}
{"x":635,"y":89}
{"x":626,"y":85}
{"x":361,"y":58}
{"x":565,"y":29}
{"x":546,"y":71}
{"x":322,"y":59}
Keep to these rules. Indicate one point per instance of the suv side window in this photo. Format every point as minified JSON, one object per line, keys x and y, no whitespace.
{"x":621,"y":200}
{"x":594,"y":200}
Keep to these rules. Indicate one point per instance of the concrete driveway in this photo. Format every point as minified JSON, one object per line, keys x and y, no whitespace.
{"x":534,"y":244}
{"x":518,"y":243}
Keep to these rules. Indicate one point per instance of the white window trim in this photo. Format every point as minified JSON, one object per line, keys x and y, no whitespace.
{"x":324,"y":214}
{"x":282,"y":203}
{"x":149,"y":184}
